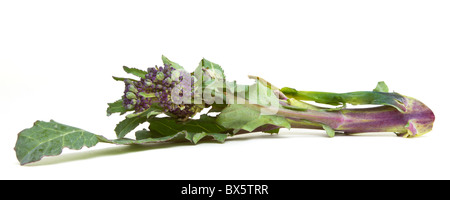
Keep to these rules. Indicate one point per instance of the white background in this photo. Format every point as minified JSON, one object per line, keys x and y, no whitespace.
{"x":57,"y":59}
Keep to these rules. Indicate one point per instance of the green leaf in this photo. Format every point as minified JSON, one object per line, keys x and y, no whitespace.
{"x":262,"y":94}
{"x":249,"y":117}
{"x":355,"y":98}
{"x":330,"y":132}
{"x":48,"y":139}
{"x":236,"y":116}
{"x":241,"y":116}
{"x":267,"y":119}
{"x":217,"y":107}
{"x":300,"y":105}
{"x":162,"y":129}
{"x":272,"y":131}
{"x":170,"y":129}
{"x":116,"y":107}
{"x":155,"y":109}
{"x":127,"y":125}
{"x":209,"y":79}
{"x":127,"y":141}
{"x":209,"y":73}
{"x":277,"y":130}
{"x":194,"y":129}
{"x":122,"y":79}
{"x":133,"y":120}
{"x":213,"y":70}
{"x":175,"y":65}
{"x":170,"y":126}
{"x":142,"y":134}
{"x":381,"y":87}
{"x":134,"y":71}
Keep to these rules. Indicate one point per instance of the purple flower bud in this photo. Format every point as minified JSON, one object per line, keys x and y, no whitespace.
{"x":160,"y":81}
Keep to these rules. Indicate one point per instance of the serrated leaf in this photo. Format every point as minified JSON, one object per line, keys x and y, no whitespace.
{"x":48,"y":139}
{"x":116,"y":107}
{"x":134,"y":71}
{"x":209,"y":73}
{"x":213,"y":70}
{"x":175,"y":65}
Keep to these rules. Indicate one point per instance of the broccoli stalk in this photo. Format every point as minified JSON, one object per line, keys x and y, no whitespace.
{"x":406,"y":116}
{"x":168,"y":98}
{"x":403,"y":115}
{"x":416,"y":120}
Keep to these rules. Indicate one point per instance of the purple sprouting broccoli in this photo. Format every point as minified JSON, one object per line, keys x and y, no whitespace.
{"x":234,"y":109}
{"x":157,"y":88}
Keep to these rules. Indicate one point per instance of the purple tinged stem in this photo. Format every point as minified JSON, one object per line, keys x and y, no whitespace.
{"x":415,"y":121}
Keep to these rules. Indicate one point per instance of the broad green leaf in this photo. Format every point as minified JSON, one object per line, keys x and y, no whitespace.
{"x":48,"y":139}
{"x":236,"y":116}
{"x":175,"y":65}
{"x":249,"y":117}
{"x":134,"y":71}
{"x":240,"y":116}
{"x":116,"y":107}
